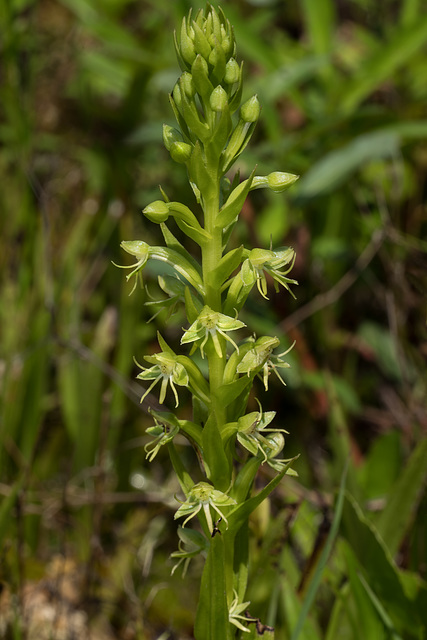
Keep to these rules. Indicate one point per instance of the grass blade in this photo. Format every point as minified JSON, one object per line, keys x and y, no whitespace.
{"x":314,"y":585}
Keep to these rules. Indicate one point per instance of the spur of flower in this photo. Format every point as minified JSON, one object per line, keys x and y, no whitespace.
{"x":203,"y":497}
{"x":260,"y":356}
{"x":251,"y":431}
{"x":208,"y":324}
{"x":165,"y":369}
{"x":262,"y":261}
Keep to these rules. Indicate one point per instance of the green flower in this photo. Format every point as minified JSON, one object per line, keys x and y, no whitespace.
{"x":191,"y":543}
{"x":162,"y":432}
{"x":273,"y":445}
{"x":262,"y":261}
{"x":204,"y":497}
{"x":235,"y":613}
{"x":174,"y":289}
{"x":261,"y":356}
{"x":141,"y":251}
{"x":208,"y":324}
{"x":168,"y":370}
{"x":252,"y":429}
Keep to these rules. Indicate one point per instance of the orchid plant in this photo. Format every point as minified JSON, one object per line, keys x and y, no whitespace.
{"x":230,"y":443}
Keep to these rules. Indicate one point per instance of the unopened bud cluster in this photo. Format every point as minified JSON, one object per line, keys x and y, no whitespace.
{"x":207,"y":93}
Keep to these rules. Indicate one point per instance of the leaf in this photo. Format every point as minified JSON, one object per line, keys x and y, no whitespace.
{"x":226,"y":393}
{"x":315,"y":581}
{"x":378,"y":566}
{"x":198,"y":171}
{"x":184,"y":478}
{"x":404,"y":499}
{"x":292,"y":606}
{"x":193,"y":306}
{"x":212,"y":611}
{"x":240,"y":514}
{"x":218,"y":465}
{"x":234,"y":204}
{"x":225,"y":267}
{"x":383,"y":64}
{"x":319,"y":16}
{"x":336,"y":166}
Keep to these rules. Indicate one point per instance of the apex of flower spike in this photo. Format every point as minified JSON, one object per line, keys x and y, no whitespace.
{"x":209,"y":35}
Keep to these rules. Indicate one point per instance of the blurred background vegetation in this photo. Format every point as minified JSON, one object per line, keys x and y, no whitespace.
{"x":86,"y":524}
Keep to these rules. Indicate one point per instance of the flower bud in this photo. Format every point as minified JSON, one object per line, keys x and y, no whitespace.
{"x":170,"y":135}
{"x":249,"y":112}
{"x":186,"y":46}
{"x":279,"y":181}
{"x":187,"y":83}
{"x":276,"y":181}
{"x":177,"y":98}
{"x":210,"y":35}
{"x":157,"y":211}
{"x":218,"y":99}
{"x":180,"y":152}
{"x":232,"y":72}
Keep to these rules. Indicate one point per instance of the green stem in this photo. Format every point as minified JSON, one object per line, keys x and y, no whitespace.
{"x":211,"y":255}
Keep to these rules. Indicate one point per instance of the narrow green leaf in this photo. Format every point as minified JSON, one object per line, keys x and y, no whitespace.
{"x":234,"y":204}
{"x":193,"y":306}
{"x":198,"y":171}
{"x":226,"y":266}
{"x":184,"y":478}
{"x":291,"y":606}
{"x":368,"y":623}
{"x":319,"y":16}
{"x":382,"y":613}
{"x":212,"y":621}
{"x":227,"y":393}
{"x":238,"y":516}
{"x":404,"y":499}
{"x":336,"y":166}
{"x":218,"y":465}
{"x":315,"y":581}
{"x":7,"y":506}
{"x":389,"y":57}
{"x":379,"y":568}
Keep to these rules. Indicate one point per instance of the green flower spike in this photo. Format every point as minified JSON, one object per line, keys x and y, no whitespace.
{"x":209,"y":323}
{"x":235,"y":613}
{"x":260,"y":356}
{"x":204,"y":496}
{"x":262,"y":261}
{"x":249,"y":431}
{"x":166,"y":369}
{"x":141,"y":251}
{"x":162,"y":434}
